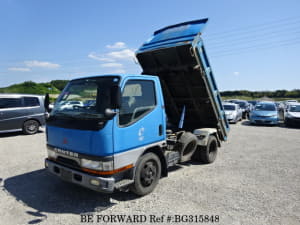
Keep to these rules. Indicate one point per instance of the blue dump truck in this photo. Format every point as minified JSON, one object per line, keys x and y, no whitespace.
{"x":123,"y":132}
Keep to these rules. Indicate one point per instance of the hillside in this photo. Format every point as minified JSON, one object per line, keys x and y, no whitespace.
{"x":56,"y":86}
{"x":30,"y":87}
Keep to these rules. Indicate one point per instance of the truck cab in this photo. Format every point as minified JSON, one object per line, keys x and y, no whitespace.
{"x":121,"y":131}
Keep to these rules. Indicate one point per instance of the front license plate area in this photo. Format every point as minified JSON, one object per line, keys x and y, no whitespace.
{"x":66,"y":175}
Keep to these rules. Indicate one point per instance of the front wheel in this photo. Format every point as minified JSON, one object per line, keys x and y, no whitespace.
{"x":30,"y":127}
{"x":147,"y":174}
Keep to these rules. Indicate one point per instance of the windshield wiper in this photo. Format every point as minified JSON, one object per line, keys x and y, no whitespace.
{"x":89,"y":115}
{"x":62,"y":114}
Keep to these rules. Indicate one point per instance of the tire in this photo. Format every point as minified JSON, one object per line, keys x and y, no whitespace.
{"x":30,"y":127}
{"x":287,"y":124}
{"x":235,"y":121}
{"x":188,"y":145}
{"x":147,"y":174}
{"x":207,"y":154}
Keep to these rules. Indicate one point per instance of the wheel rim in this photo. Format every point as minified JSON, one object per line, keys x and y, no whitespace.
{"x":148,"y":173}
{"x":31,"y":127}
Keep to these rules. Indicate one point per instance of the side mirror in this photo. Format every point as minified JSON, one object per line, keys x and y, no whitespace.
{"x":47,"y":103}
{"x":109,"y":113}
{"x":115,"y":97}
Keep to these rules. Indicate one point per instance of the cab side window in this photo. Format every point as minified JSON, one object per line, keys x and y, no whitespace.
{"x":138,"y":99}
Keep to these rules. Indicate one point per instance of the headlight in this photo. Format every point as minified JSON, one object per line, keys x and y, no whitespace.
{"x":107,"y":166}
{"x":51,"y":154}
{"x":97,"y":165}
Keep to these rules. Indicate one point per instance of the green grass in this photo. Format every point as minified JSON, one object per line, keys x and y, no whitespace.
{"x":30,"y":87}
{"x":54,"y":88}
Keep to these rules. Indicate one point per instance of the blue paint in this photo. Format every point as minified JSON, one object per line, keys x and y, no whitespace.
{"x":97,"y":143}
{"x":114,"y":138}
{"x":174,"y":35}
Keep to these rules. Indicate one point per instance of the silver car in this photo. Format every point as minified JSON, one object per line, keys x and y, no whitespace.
{"x":21,"y":112}
{"x":292,"y":115}
{"x":233,"y":112}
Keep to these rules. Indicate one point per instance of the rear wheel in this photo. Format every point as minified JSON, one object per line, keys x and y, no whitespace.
{"x":188,"y":145}
{"x":147,"y":174}
{"x":208,"y":153}
{"x":30,"y":127}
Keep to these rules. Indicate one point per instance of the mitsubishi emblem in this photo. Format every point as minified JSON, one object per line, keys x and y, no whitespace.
{"x":65,"y":141}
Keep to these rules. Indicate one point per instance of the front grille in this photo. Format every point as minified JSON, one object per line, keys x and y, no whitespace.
{"x":68,"y":162}
{"x":264,"y":116}
{"x":265,"y":121}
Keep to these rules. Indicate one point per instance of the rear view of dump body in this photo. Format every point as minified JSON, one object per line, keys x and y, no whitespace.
{"x":176,"y":54}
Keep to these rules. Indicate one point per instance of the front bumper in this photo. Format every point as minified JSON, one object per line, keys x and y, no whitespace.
{"x":264,"y":120}
{"x":292,"y":121}
{"x":106,"y":184}
{"x":231,"y":117}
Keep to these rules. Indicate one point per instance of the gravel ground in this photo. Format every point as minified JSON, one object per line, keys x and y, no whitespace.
{"x":255,"y":180}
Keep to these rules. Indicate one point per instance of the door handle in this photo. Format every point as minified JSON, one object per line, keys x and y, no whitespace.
{"x":160,"y":130}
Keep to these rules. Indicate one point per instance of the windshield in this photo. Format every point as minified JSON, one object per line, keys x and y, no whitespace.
{"x":295,"y":108}
{"x":265,"y":107}
{"x":85,"y":98}
{"x":229,"y":107}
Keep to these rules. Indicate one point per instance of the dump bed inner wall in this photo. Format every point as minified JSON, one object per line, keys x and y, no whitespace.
{"x":182,"y":84}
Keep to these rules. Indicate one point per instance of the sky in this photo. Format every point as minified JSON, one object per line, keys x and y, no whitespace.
{"x":251,"y":44}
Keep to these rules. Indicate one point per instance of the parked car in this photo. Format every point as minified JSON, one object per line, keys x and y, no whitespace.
{"x":233,"y":112}
{"x":70,"y":104}
{"x":292,"y":115}
{"x":279,"y":105}
{"x":287,"y":102}
{"x":252,"y":104}
{"x":21,"y":112}
{"x":264,"y":113}
{"x":245,"y":106}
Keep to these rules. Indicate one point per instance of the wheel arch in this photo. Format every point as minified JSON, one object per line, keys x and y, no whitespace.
{"x":206,"y":132}
{"x":217,"y":137}
{"x":35,"y":119}
{"x":157,"y":150}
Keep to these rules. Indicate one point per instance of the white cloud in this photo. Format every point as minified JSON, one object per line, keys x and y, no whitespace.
{"x":236,"y":73}
{"x":110,"y":57}
{"x":19,"y":69}
{"x":123,"y":54}
{"x":118,"y":71}
{"x":115,"y":59}
{"x":35,"y":63}
{"x":93,"y":55}
{"x":117,"y":45}
{"x":111,"y":65}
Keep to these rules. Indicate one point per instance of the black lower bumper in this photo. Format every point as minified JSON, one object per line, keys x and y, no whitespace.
{"x":100,"y":184}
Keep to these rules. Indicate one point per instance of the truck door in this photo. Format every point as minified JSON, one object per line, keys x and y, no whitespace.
{"x":141,"y":118}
